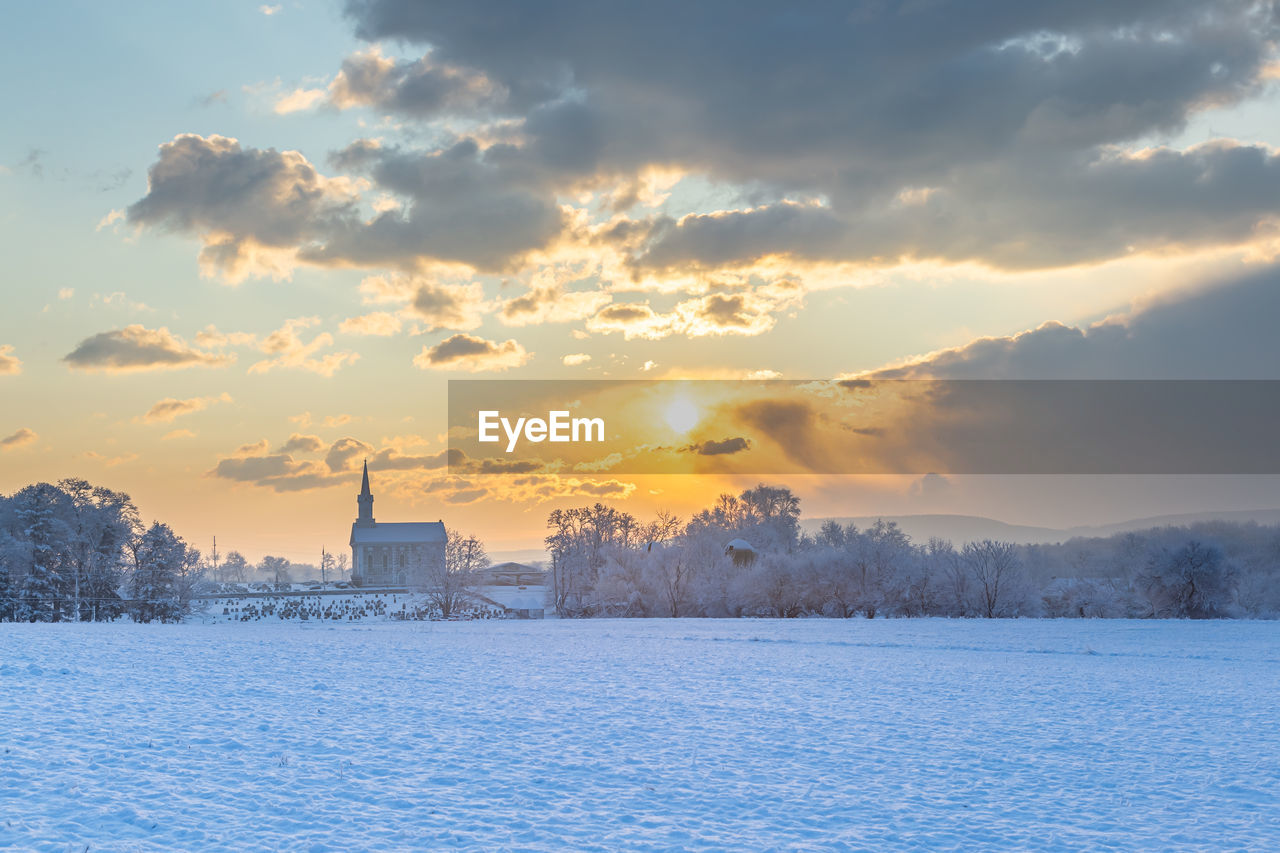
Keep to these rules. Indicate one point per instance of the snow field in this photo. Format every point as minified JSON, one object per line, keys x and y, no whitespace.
{"x":641,"y":734}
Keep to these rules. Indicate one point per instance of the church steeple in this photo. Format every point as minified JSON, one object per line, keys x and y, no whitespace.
{"x":365,"y":500}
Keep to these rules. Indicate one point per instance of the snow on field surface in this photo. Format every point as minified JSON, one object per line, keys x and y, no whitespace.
{"x":636,"y":735}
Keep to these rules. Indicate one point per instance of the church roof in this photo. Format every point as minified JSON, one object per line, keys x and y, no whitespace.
{"x":396,"y":532}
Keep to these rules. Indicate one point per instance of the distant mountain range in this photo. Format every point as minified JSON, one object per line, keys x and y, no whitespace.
{"x":969,"y":528}
{"x":959,"y":529}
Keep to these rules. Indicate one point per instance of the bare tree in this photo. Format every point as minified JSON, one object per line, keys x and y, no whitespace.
{"x":995,"y":567}
{"x":450,"y":584}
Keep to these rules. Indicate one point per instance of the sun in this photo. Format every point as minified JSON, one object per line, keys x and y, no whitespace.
{"x":681,"y":414}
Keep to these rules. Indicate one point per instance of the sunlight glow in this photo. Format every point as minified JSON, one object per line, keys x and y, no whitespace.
{"x":681,"y":414}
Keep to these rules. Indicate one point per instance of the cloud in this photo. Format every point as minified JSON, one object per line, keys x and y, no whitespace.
{"x":378,"y":323}
{"x":21,"y":438}
{"x":633,"y":320}
{"x":302,"y":443}
{"x":9,"y":363}
{"x":170,"y":408}
{"x":287,"y":470}
{"x":298,"y":100}
{"x":210,"y":338}
{"x":110,"y":461}
{"x":1033,"y":215}
{"x":343,"y":452}
{"x":997,"y":135}
{"x":177,"y":433}
{"x":575,"y":359}
{"x":931,"y":485}
{"x":388,"y":459}
{"x":111,"y":218}
{"x":464,"y":207}
{"x":137,"y":348}
{"x":472,"y":354}
{"x":459,"y":307}
{"x":552,"y":304}
{"x":257,"y":468}
{"x":253,"y":210}
{"x":1220,"y":330}
{"x":745,"y":312}
{"x":421,"y":88}
{"x":794,"y":426}
{"x":261,"y":212}
{"x":288,"y":350}
{"x":270,"y":10}
{"x":724,"y":447}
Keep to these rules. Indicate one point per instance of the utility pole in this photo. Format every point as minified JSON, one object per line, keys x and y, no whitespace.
{"x":323,"y":557}
{"x":214,"y":559}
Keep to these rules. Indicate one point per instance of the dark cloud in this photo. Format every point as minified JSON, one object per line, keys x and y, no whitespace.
{"x":724,"y":447}
{"x":508,"y":466}
{"x":951,"y":130}
{"x":465,"y":207}
{"x":449,"y":306}
{"x":258,"y":211}
{"x":420,"y":88}
{"x":1020,"y":215}
{"x":1222,"y":331}
{"x":390,"y":460}
{"x":240,"y":199}
{"x":139,"y":348}
{"x":794,"y":426}
{"x":472,"y":354}
{"x":251,"y":469}
{"x":994,"y":131}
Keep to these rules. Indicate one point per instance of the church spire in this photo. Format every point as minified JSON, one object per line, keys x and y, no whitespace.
{"x":365,"y":500}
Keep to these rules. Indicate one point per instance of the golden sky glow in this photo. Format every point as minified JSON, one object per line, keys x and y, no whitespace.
{"x":311,"y":221}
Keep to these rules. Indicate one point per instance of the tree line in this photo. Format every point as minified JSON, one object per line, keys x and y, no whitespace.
{"x":747,"y":555}
{"x":74,"y":552}
{"x":77,"y":552}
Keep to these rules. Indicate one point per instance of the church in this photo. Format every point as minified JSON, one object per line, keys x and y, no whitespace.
{"x":395,"y":554}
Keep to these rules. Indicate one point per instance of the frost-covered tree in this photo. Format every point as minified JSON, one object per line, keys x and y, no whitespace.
{"x":235,"y":568}
{"x":164,"y":572}
{"x":40,"y":594}
{"x":276,"y":570}
{"x":1192,"y":581}
{"x":100,"y":523}
{"x":8,"y":599}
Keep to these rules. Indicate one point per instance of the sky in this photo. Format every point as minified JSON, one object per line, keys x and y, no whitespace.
{"x":246,"y":246}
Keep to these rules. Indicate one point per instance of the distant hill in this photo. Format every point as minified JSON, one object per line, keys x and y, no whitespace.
{"x":527,"y":556}
{"x":969,"y":528}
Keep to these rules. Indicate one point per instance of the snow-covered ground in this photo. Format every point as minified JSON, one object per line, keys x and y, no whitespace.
{"x":635,"y":735}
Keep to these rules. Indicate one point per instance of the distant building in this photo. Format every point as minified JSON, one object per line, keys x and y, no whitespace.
{"x":740,"y":551}
{"x":519,"y":591}
{"x":392,"y":554}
